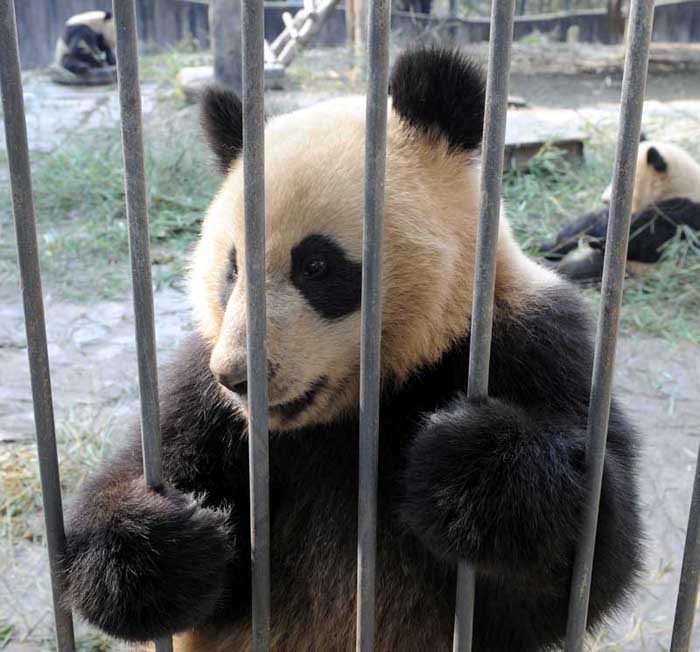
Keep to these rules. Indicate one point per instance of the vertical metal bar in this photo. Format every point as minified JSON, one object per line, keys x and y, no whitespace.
{"x":139,"y":249}
{"x":502,"y":13}
{"x":254,"y":207}
{"x":370,"y":356}
{"x":690,"y":574}
{"x":633,"y":87}
{"x":30,"y":274}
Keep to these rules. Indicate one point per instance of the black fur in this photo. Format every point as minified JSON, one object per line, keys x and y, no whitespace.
{"x":338,"y":291}
{"x":591,"y":226}
{"x":650,"y":230}
{"x":87,"y":49}
{"x":656,"y":160}
{"x":498,"y":483}
{"x":584,"y":265}
{"x":440,"y":91}
{"x":222,"y":122}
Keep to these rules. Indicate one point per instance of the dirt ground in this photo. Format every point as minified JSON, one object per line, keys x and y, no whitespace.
{"x":94,"y":369}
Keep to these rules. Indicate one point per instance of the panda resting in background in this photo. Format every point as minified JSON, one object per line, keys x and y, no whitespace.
{"x":87,"y":43}
{"x":499,"y":483}
{"x":665,"y":197}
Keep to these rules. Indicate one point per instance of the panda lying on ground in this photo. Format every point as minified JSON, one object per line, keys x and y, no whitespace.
{"x":666,"y":196}
{"x":499,"y":483}
{"x":87,"y":44}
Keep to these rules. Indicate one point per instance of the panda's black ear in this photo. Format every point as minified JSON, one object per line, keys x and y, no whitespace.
{"x":642,"y":137}
{"x":108,"y":15}
{"x":222,"y":122}
{"x":655,"y":159}
{"x":440,"y":90}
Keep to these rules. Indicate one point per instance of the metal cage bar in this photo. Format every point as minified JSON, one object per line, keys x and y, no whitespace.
{"x":34,"y":320}
{"x":690,"y":574}
{"x":371,"y":318}
{"x":254,"y":209}
{"x":633,"y":87}
{"x":139,"y":249}
{"x":502,"y":18}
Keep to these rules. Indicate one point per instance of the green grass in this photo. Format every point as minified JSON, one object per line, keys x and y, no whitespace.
{"x":80,"y":207}
{"x":665,"y":300}
{"x":83,"y":439}
{"x":164,"y":66}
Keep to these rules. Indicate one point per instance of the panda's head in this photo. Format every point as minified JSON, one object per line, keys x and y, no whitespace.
{"x":663,"y":171}
{"x":314,"y":166}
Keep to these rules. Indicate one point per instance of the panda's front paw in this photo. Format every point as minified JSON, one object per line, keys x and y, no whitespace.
{"x":141,"y":564}
{"x":462,"y":470}
{"x":490,"y":483}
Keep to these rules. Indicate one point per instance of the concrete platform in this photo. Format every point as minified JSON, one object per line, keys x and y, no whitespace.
{"x":191,"y":80}
{"x":527,"y":130}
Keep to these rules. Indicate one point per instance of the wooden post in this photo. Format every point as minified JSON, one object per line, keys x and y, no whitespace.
{"x":616,"y":20}
{"x":225,"y":30}
{"x":350,"y":22}
{"x":361,"y":23}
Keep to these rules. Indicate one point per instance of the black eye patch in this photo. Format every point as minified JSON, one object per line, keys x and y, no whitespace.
{"x":326,"y":277}
{"x":230,"y":277}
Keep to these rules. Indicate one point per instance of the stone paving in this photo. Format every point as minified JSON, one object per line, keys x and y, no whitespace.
{"x":94,"y":379}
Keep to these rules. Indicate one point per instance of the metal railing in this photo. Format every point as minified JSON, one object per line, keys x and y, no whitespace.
{"x":641,"y":13}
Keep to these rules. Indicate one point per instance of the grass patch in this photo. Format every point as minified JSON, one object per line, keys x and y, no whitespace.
{"x":663,"y":301}
{"x":163,"y":66}
{"x":83,"y":441}
{"x":80,"y":207}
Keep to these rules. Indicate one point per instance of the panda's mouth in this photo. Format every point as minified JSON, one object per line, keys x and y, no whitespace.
{"x":291,"y":409}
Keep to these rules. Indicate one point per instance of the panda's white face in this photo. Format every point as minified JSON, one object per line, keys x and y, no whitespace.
{"x":314,"y":169}
{"x":663,"y":171}
{"x":314,"y":208}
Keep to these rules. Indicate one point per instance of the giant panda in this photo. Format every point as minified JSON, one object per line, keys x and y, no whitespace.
{"x":499,"y":483}
{"x":665,"y":196}
{"x":577,"y":252}
{"x":87,"y":42}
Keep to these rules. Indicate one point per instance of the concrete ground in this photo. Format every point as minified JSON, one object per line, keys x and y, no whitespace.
{"x":94,"y":370}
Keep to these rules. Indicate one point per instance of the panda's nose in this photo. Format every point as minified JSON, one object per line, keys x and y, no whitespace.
{"x":236,"y":380}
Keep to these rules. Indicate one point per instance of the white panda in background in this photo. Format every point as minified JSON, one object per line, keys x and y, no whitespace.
{"x":87,"y":42}
{"x":664,"y":171}
{"x":666,"y":197}
{"x":499,"y":483}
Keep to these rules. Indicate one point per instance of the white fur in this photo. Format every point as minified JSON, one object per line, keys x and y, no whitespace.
{"x":314,"y":165}
{"x":681,"y":179}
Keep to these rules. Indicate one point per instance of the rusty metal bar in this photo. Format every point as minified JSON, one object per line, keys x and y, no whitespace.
{"x":254,"y":207}
{"x":633,"y":87}
{"x":690,"y":574}
{"x":502,"y":13}
{"x":34,"y":320}
{"x":139,"y":249}
{"x":371,"y":318}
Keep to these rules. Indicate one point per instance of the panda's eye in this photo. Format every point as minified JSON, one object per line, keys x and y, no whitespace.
{"x":229,"y":278}
{"x":315,"y":267}
{"x":232,"y":270}
{"x":328,"y":279}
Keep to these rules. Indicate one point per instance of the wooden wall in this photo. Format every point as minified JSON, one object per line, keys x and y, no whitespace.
{"x":165,"y":22}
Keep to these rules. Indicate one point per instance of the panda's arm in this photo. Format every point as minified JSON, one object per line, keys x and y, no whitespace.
{"x":140,"y":562}
{"x":501,"y":483}
{"x":566,"y":240}
{"x":109,"y":53}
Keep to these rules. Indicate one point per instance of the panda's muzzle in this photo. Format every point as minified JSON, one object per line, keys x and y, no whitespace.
{"x":236,"y":381}
{"x":296,"y":406}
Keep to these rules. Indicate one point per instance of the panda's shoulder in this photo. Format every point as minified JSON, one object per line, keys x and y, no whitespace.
{"x":87,"y":18}
{"x":192,"y":402}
